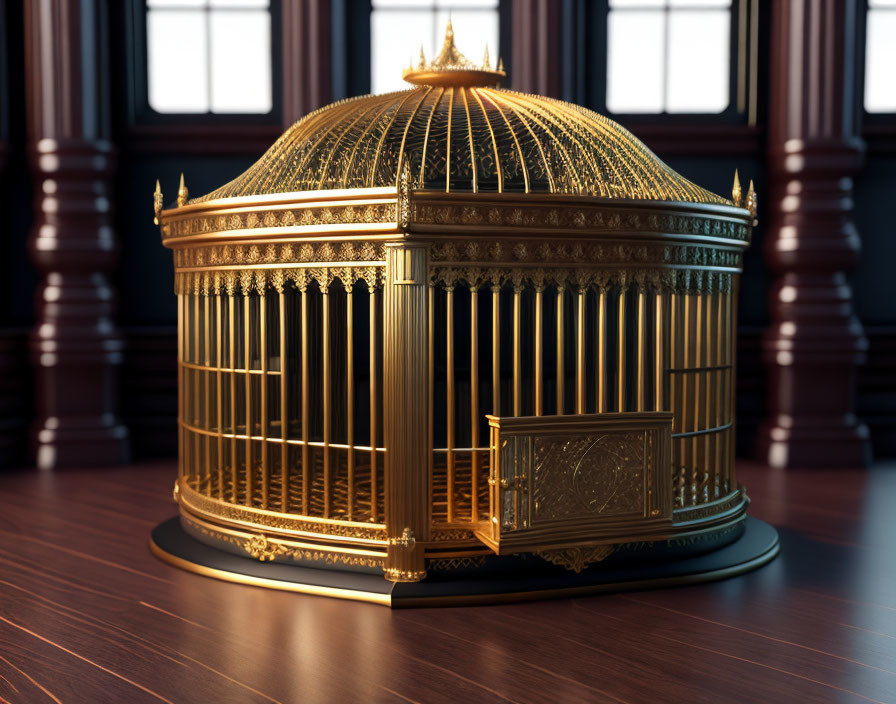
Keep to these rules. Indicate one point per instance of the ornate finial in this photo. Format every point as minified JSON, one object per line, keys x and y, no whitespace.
{"x":500,"y":65}
{"x":752,"y":201}
{"x":735,"y":190}
{"x":157,"y":203}
{"x":486,"y":61}
{"x":451,"y":68}
{"x":182,"y":193}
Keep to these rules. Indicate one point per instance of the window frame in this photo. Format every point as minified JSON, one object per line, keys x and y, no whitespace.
{"x":501,"y":51}
{"x":141,"y":113}
{"x":743,"y":72}
{"x":870,"y":119}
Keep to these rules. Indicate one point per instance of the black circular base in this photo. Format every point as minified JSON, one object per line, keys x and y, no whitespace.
{"x":755,"y":547}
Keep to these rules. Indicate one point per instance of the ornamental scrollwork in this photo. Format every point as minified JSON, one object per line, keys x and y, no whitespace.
{"x":577,"y":559}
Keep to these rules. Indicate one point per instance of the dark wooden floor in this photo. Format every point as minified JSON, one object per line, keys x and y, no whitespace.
{"x":88,"y":615}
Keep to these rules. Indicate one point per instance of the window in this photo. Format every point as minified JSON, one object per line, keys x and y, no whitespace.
{"x":209,"y":56}
{"x":669,"y":56}
{"x":880,"y":56}
{"x":399,"y":27}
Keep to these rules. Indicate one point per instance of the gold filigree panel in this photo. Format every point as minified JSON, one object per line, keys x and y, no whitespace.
{"x":564,"y":482}
{"x":587,"y":475}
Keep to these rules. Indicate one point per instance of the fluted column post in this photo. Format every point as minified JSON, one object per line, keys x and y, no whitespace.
{"x":75,"y":347}
{"x":537,"y":38}
{"x":406,"y":403}
{"x":307,"y":57}
{"x":815,"y":340}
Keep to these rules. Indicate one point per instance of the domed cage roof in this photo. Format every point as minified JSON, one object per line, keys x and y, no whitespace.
{"x":456,"y":131}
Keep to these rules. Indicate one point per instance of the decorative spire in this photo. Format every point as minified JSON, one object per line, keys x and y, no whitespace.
{"x":500,"y":65}
{"x":735,"y":190}
{"x":182,"y":193}
{"x":451,"y":68}
{"x":157,"y":203}
{"x":752,"y":201}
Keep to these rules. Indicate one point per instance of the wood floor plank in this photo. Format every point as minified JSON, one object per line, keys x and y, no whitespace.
{"x":87,"y":614}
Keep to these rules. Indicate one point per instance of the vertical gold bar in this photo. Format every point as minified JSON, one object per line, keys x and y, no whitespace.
{"x":449,"y":383}
{"x":620,"y":381}
{"x":496,"y":349}
{"x":284,"y":407}
{"x":247,"y":360}
{"x":327,"y":401}
{"x":686,"y":403}
{"x":207,"y":393}
{"x":431,"y":373}
{"x":181,"y":385}
{"x":659,"y":355}
{"x":219,"y":393}
{"x":539,"y":352}
{"x":306,"y":402}
{"x":602,"y":351}
{"x":374,"y":500}
{"x":195,"y":416}
{"x":263,"y":396}
{"x":231,"y":327}
{"x":718,"y":379}
{"x":517,"y":354}
{"x":474,"y":400}
{"x":709,"y":355}
{"x":561,"y":371}
{"x":642,"y":350}
{"x":731,"y":336}
{"x":697,"y":403}
{"x":674,"y":375}
{"x":580,"y":351}
{"x":350,"y":397}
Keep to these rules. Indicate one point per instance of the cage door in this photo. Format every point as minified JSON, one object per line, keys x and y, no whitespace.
{"x":577,"y":480}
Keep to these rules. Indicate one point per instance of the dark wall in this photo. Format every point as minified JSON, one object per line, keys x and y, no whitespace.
{"x":147,"y":313}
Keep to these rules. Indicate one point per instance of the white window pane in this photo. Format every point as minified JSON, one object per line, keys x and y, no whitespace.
{"x":628,"y":4}
{"x":635,"y":61}
{"x":175,"y":3}
{"x":246,"y":4}
{"x":473,"y":31}
{"x":461,"y":4}
{"x":880,"y":60}
{"x":403,"y":4}
{"x":699,"y":61}
{"x":241,"y":62}
{"x":395,"y":39}
{"x":881,"y":3}
{"x":700,"y":3}
{"x":177,"y":70}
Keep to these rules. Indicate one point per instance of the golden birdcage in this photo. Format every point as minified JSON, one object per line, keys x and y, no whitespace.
{"x":453,"y":329}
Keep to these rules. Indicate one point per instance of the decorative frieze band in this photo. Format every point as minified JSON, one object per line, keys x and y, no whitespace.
{"x":594,"y":219}
{"x":205,"y":223}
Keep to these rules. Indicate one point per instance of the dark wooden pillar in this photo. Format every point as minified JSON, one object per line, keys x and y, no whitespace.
{"x":536,"y":44}
{"x":815,"y":340}
{"x":76,"y":349}
{"x":307,"y":57}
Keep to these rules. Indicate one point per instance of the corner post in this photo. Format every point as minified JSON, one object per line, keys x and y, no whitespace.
{"x":406,"y":397}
